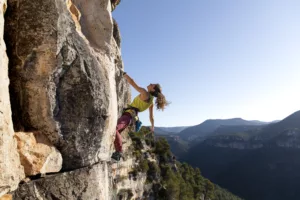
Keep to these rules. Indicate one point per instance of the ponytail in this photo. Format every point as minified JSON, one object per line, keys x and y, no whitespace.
{"x":160,"y":101}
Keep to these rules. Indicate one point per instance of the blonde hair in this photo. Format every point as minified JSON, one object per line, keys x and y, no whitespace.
{"x":161,"y":102}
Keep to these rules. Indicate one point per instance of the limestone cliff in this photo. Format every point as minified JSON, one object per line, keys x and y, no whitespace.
{"x":65,"y":75}
{"x":65,"y":84}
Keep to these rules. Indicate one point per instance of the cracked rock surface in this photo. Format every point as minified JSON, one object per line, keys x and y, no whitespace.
{"x":86,"y":183}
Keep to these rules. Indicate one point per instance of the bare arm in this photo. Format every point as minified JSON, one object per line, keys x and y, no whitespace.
{"x":151,"y":117}
{"x":142,"y":91}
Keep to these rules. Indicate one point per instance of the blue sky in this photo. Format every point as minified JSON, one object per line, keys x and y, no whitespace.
{"x":215,"y":59}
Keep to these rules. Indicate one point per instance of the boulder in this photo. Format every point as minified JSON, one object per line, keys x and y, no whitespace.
{"x":37,"y":154}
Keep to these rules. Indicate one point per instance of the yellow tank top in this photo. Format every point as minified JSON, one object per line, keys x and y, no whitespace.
{"x":140,"y":104}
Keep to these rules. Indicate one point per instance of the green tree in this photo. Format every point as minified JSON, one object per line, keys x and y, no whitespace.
{"x":209,"y":189}
{"x":162,"y":146}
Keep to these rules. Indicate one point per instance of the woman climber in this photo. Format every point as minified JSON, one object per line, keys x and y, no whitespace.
{"x":140,"y":103}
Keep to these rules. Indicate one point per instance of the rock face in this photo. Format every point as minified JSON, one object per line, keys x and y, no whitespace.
{"x":229,"y":141}
{"x":11,"y":172}
{"x":37,"y":154}
{"x":86,"y":183}
{"x":66,"y":94}
{"x":289,"y":138}
{"x":103,"y":181}
{"x":126,"y":186}
{"x":66,"y":83}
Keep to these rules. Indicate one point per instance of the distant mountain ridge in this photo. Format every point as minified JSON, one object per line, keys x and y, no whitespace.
{"x":247,"y":136}
{"x":274,"y":129}
{"x":255,"y":162}
{"x":169,"y":130}
{"x":211,"y":125}
{"x":229,"y":130}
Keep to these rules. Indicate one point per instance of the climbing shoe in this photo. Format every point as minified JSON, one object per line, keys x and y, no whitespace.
{"x":117,"y":156}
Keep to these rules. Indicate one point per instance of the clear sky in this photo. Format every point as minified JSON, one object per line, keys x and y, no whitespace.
{"x":215,"y":59}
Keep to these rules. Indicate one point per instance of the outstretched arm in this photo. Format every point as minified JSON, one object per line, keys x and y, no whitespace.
{"x":151,"y":118}
{"x":141,"y":90}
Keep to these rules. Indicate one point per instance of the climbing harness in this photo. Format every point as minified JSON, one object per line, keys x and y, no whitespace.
{"x":135,"y":119}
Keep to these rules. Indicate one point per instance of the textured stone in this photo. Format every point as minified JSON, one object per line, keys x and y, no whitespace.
{"x":89,"y":183}
{"x":37,"y":154}
{"x":6,"y":197}
{"x":125,"y":185}
{"x":102,"y":181}
{"x":11,"y":172}
{"x":66,"y":83}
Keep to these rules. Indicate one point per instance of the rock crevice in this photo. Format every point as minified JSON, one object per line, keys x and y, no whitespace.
{"x":11,"y":171}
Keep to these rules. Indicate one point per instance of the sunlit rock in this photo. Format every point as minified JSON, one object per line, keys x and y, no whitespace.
{"x":6,"y":197}
{"x":37,"y":154}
